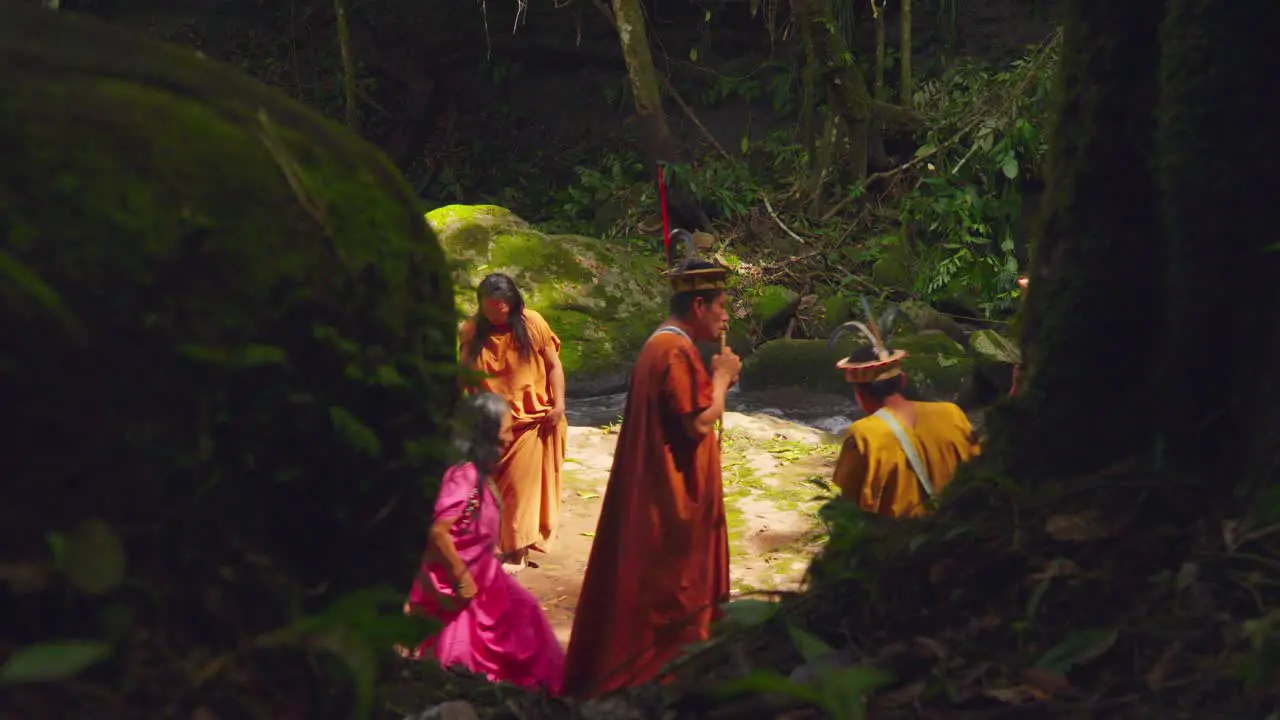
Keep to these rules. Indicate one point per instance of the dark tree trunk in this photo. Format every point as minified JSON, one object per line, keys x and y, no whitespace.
{"x":847,"y":91}
{"x":1217,"y":171}
{"x":1092,"y":330}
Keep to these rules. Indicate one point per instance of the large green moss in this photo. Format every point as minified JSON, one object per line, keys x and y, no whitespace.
{"x":936,"y":365}
{"x":229,"y":336}
{"x":602,"y":299}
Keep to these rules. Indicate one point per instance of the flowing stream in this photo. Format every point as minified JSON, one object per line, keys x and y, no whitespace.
{"x":829,"y":413}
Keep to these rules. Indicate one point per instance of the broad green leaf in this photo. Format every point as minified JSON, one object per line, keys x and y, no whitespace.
{"x":749,"y":612}
{"x":845,"y":690}
{"x":1010,"y":167}
{"x":19,"y":276}
{"x":356,"y":434}
{"x":769,"y":682}
{"x":356,"y":654}
{"x":248,"y":356}
{"x":93,"y":558}
{"x":1078,"y":649}
{"x":810,"y":647}
{"x":52,"y":661}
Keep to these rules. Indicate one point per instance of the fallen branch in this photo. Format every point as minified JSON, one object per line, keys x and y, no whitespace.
{"x":693,"y":117}
{"x":778,"y":220}
{"x":976,"y":120}
{"x":835,"y":209}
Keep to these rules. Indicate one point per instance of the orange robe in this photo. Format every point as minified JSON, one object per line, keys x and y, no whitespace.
{"x":529,"y":474}
{"x":659,"y":566}
{"x":874,"y":472}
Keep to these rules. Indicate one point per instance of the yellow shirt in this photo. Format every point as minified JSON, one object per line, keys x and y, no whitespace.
{"x":874,"y":472}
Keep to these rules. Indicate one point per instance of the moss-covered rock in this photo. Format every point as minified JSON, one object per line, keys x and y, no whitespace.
{"x":229,"y":337}
{"x":896,"y":269}
{"x":989,"y":346}
{"x":602,"y":299}
{"x":772,"y":307}
{"x":828,"y":313}
{"x":937,"y":366}
{"x":917,"y":316}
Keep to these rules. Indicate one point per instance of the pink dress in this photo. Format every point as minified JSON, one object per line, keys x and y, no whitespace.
{"x":502,"y":632}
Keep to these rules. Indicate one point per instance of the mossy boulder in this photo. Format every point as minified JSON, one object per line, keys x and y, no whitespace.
{"x":989,"y":346}
{"x":229,"y":348}
{"x":896,"y":269}
{"x":937,"y":366}
{"x":994,"y":356}
{"x":603,"y":299}
{"x":772,"y":307}
{"x":828,"y":313}
{"x":918,"y":316}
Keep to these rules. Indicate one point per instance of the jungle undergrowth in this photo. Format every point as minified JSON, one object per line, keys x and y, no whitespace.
{"x":946,"y":225}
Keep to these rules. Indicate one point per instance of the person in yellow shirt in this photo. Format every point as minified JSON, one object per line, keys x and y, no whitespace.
{"x":904,"y":452}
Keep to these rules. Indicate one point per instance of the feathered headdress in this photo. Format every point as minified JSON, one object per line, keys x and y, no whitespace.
{"x":693,"y":280}
{"x":887,"y":362}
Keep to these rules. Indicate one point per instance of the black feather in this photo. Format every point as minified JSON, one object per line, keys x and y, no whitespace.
{"x":680,"y":237}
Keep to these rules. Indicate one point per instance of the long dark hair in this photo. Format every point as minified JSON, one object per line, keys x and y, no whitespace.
{"x":479,"y":422}
{"x":476,"y":428}
{"x":499,"y":287}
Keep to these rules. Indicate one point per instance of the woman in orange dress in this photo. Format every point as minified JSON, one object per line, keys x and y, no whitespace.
{"x":519,"y":355}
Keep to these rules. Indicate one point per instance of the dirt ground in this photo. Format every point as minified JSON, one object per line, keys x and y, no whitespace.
{"x":769,"y":465}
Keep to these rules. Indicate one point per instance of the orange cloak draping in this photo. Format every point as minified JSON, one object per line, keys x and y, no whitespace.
{"x":874,"y":472}
{"x":659,"y":565}
{"x":529,"y":474}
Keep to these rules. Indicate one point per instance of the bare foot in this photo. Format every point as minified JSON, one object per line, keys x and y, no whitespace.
{"x":514,"y":562}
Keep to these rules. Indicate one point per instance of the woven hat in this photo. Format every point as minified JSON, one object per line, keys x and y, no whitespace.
{"x":712,"y":278}
{"x":887,"y":362}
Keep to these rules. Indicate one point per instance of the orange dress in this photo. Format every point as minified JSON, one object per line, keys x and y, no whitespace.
{"x":659,"y":566}
{"x":529,"y":475}
{"x":874,"y":472}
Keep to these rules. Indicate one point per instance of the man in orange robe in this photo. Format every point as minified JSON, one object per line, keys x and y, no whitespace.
{"x":659,"y":566}
{"x":519,"y":355}
{"x":904,"y":452}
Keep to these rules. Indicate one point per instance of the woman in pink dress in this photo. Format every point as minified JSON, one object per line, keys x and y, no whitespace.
{"x":492,"y":625}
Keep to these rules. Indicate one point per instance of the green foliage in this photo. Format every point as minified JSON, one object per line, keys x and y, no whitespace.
{"x":840,"y":692}
{"x":52,"y":661}
{"x":991,"y":134}
{"x":595,"y":185}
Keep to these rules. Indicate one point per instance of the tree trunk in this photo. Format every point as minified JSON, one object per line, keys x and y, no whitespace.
{"x":904,"y":79}
{"x":1091,"y":330}
{"x":835,"y":71}
{"x":1217,"y":170}
{"x":628,"y":17}
{"x":878,"y":12}
{"x":1150,"y":324}
{"x":348,"y":66}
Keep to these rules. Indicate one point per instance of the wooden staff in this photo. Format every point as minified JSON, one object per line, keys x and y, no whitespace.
{"x":724,"y":342}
